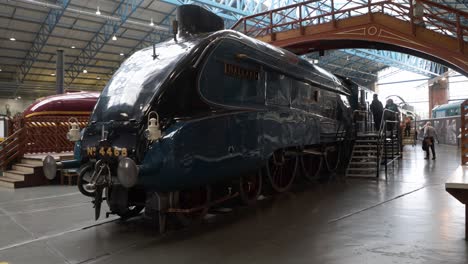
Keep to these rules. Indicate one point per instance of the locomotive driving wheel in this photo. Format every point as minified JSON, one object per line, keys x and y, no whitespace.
{"x":311,"y":165}
{"x":281,"y":170}
{"x":84,"y":178}
{"x":190,"y":206}
{"x":332,"y":157}
{"x":126,"y":210}
{"x":250,"y":188}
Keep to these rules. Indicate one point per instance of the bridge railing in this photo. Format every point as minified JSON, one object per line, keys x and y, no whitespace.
{"x":434,"y":16}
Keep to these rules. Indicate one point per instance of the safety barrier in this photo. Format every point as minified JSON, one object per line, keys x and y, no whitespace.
{"x":39,"y":134}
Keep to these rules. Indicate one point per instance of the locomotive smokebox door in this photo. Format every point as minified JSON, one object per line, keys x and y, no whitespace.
{"x":194,"y":19}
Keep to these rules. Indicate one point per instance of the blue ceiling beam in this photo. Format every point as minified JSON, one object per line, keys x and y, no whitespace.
{"x":124,"y":10}
{"x":41,"y":38}
{"x":401,"y":61}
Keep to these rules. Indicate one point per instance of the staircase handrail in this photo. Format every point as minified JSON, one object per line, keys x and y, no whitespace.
{"x":382,"y":135}
{"x":293,"y":16}
{"x":12,"y":147}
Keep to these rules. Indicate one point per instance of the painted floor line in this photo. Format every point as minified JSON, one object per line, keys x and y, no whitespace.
{"x":55,"y":235}
{"x":49,"y":208}
{"x":373,"y":206}
{"x":40,"y":198}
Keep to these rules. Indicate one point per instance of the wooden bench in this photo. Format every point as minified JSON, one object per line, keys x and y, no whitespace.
{"x":457,"y":186}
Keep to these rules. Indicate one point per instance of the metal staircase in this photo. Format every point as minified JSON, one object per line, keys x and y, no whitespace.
{"x":365,"y":158}
{"x":375,"y":148}
{"x":411,"y":139}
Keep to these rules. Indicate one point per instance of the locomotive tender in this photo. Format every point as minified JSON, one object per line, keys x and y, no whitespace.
{"x":209,"y":115}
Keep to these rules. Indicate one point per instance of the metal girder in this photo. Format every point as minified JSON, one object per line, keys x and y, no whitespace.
{"x":155,"y":36}
{"x":356,"y":68}
{"x":401,"y":61}
{"x":124,"y":10}
{"x":459,"y":4}
{"x":152,"y":37}
{"x":41,"y":38}
{"x":228,"y":9}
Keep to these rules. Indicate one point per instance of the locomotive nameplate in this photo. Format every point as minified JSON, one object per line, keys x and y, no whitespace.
{"x":240,"y":72}
{"x":109,"y":152}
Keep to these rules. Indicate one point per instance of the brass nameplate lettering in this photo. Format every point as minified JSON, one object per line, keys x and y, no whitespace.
{"x":239,"y":72}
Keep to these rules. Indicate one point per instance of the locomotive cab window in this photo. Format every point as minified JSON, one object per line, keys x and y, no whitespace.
{"x":316,"y":96}
{"x":304,"y":95}
{"x":278,"y":89}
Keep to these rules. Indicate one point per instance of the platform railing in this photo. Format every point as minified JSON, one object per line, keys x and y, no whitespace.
{"x":39,"y":134}
{"x":12,"y":148}
{"x":49,"y":134}
{"x":440,"y":18}
{"x":389,"y":134}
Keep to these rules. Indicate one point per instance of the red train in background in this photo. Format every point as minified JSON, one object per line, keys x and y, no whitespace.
{"x":44,"y":124}
{"x":68,"y":104}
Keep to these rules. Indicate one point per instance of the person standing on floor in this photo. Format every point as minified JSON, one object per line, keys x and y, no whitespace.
{"x":376,"y":108}
{"x":407,"y":126}
{"x":429,"y":135}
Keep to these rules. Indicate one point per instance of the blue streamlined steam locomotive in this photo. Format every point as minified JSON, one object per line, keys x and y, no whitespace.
{"x":207,"y":116}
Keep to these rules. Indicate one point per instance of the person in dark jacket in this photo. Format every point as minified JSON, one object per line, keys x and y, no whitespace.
{"x":376,"y":108}
{"x":392,"y":116}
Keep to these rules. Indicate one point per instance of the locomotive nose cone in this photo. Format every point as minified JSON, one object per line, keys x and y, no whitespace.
{"x":49,"y":167}
{"x":127,"y":172}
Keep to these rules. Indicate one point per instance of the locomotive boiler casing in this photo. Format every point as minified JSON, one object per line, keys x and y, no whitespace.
{"x":211,"y":136}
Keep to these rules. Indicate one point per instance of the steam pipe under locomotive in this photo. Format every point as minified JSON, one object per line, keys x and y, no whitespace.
{"x":200,"y":110}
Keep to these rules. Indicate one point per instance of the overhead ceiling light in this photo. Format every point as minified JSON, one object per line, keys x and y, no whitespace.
{"x":121,"y":54}
{"x":52,"y":74}
{"x":19,"y":97}
{"x":12,"y":39}
{"x":98,"y":12}
{"x":114,"y":38}
{"x":73,"y":47}
{"x":98,"y":78}
{"x":151,"y":23}
{"x":85,"y":71}
{"x":0,"y":70}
